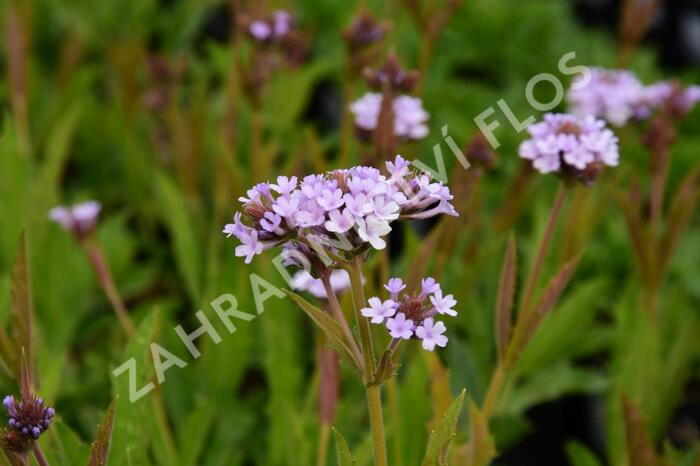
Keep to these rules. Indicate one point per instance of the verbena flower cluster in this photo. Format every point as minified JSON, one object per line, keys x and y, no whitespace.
{"x":409,"y":116}
{"x":80,"y":219}
{"x":574,"y":147}
{"x":409,"y":316}
{"x":618,"y":96}
{"x":344,"y":212}
{"x":276,"y":26}
{"x":28,"y":420}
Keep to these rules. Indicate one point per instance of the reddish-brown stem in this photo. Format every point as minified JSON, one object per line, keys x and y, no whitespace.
{"x":39,"y":455}
{"x":104,"y":278}
{"x":543,"y":248}
{"x":346,"y":124}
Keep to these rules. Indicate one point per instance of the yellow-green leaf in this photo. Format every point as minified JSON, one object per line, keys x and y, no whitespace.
{"x":441,"y":437}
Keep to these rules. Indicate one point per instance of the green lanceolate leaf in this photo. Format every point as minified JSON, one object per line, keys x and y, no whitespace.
{"x":343,"y":451}
{"x":441,"y":437}
{"x":182,"y":228}
{"x":100,"y":448}
{"x":331,"y":328}
{"x":506,"y":294}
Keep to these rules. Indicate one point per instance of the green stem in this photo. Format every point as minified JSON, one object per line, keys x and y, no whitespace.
{"x":358,"y":299}
{"x":374,"y":403}
{"x":374,"y":396}
{"x":324,"y":437}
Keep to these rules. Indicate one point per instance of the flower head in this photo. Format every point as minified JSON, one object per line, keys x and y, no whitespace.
{"x":29,"y":418}
{"x":409,"y":316}
{"x":79,"y":219}
{"x":338,"y":215}
{"x":574,"y":147}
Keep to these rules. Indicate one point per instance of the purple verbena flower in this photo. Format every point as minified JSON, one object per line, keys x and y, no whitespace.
{"x":431,"y":334}
{"x":394,"y":287}
{"x":260,"y":30}
{"x":379,"y":310}
{"x":79,"y":219}
{"x":272,"y":27}
{"x":400,"y":327}
{"x":282,"y":23}
{"x":443,"y":305}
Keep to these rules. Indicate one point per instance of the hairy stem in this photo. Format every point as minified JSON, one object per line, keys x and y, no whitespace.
{"x":104,"y":277}
{"x":358,"y":299}
{"x":543,"y":248}
{"x":494,"y":390}
{"x":374,"y":403}
{"x":374,"y":397}
{"x":39,"y":455}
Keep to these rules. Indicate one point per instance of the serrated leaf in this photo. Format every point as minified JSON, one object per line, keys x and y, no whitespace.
{"x":640,"y":448}
{"x":130,"y":440}
{"x":549,"y":297}
{"x":441,"y":437}
{"x":343,"y":450}
{"x":331,"y":328}
{"x":506,"y":297}
{"x":100,"y":448}
{"x":22,"y":320}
